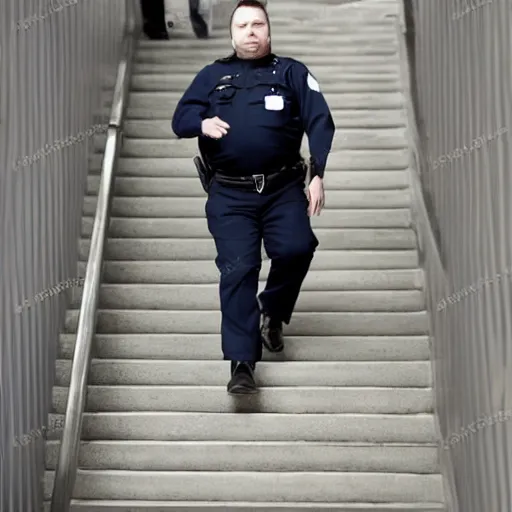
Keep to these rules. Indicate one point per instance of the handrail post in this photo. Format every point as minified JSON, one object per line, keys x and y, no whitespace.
{"x":65,"y":473}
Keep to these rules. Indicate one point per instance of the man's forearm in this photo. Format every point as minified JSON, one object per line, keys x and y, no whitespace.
{"x":187,"y":126}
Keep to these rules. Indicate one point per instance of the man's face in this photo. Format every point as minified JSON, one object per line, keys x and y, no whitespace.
{"x":250,"y":32}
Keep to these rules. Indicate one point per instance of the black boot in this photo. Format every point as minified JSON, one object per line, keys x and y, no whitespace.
{"x":272,"y":334}
{"x":155,"y":33}
{"x":153,"y":14}
{"x":199,"y":25}
{"x":242,"y":378}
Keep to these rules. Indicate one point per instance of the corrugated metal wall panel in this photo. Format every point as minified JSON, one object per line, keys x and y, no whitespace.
{"x":464,"y":88}
{"x":57,"y":56}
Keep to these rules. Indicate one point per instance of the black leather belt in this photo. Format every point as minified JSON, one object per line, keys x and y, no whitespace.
{"x":264,"y":182}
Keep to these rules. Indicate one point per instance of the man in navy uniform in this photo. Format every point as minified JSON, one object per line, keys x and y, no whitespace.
{"x":250,"y":111}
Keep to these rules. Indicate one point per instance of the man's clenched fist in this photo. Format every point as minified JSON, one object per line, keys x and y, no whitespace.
{"x":214,"y":127}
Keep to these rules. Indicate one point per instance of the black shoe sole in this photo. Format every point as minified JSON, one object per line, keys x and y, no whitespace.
{"x":162,"y":36}
{"x":270,"y":348}
{"x":242,"y":390}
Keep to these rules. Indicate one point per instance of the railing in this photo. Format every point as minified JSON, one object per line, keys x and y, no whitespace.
{"x":65,"y":474}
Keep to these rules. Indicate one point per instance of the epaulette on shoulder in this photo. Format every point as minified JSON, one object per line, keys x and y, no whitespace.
{"x":289,"y":60}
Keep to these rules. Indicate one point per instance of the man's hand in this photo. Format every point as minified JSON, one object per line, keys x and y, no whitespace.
{"x":316,"y":196}
{"x":214,"y":127}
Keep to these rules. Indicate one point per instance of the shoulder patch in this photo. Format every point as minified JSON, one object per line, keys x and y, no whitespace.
{"x":312,"y":83}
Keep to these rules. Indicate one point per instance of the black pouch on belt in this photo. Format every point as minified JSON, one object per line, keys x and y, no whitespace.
{"x":204,"y":172}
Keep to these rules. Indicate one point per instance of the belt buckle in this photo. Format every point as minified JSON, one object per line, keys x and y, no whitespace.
{"x":259,"y":182}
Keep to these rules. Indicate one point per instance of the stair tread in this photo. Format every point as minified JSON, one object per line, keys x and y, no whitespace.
{"x":254,"y":486}
{"x":239,"y":506}
{"x":201,"y":347}
{"x":252,"y":444}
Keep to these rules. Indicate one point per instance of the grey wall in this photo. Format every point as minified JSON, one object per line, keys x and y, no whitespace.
{"x":462,"y":70}
{"x":52,"y":72}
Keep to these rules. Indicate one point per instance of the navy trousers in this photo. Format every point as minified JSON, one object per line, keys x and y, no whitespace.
{"x":239,"y":220}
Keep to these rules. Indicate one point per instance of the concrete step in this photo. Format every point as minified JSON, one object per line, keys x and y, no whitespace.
{"x":191,"y":186}
{"x":187,"y":148}
{"x":156,"y":271}
{"x":366,"y":47}
{"x":191,"y":68}
{"x":178,"y":205}
{"x":326,"y":22}
{"x":196,"y":226}
{"x":204,"y":249}
{"x":117,"y":372}
{"x":330,"y":84}
{"x":311,"y":16}
{"x":344,"y":160}
{"x":328,"y":16}
{"x":381,"y":138}
{"x":178,"y":426}
{"x":205,"y":276}
{"x":206,"y":298}
{"x":280,"y":40}
{"x":326,"y":76}
{"x":214,"y":399}
{"x":253,"y":486}
{"x":204,"y":272}
{"x":194,"y":506}
{"x":187,"y":182}
{"x":150,"y":249}
{"x":157,"y":122}
{"x":366,"y":58}
{"x":391,"y":139}
{"x":208,"y":322}
{"x":336,"y":100}
{"x":243,"y":456}
{"x":201,"y":347}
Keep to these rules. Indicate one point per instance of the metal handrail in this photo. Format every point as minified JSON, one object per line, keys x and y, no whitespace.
{"x":65,"y":474}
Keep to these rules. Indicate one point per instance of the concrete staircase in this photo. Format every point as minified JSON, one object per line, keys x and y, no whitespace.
{"x":344,"y":420}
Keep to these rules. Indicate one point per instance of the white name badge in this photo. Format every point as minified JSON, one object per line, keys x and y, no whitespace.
{"x":274,"y":102}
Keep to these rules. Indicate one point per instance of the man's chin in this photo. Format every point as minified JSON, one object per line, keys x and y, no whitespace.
{"x":254,"y":52}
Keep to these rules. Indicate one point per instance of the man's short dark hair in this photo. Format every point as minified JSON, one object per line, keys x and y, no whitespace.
{"x":249,"y":3}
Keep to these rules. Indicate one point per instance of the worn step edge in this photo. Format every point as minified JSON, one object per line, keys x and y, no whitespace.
{"x":326,"y":427}
{"x":150,"y":321}
{"x":341,"y":260}
{"x":231,"y":506}
{"x":186,"y":297}
{"x":378,"y":162}
{"x":215,"y":486}
{"x":127,"y":372}
{"x":205,"y":276}
{"x":168,"y":206}
{"x":186,"y":249}
{"x":197,"y":347}
{"x":239,"y":456}
{"x":291,"y":399}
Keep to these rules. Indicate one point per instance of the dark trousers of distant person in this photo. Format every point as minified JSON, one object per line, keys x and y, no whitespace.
{"x":153,"y":14}
{"x":239,"y":220}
